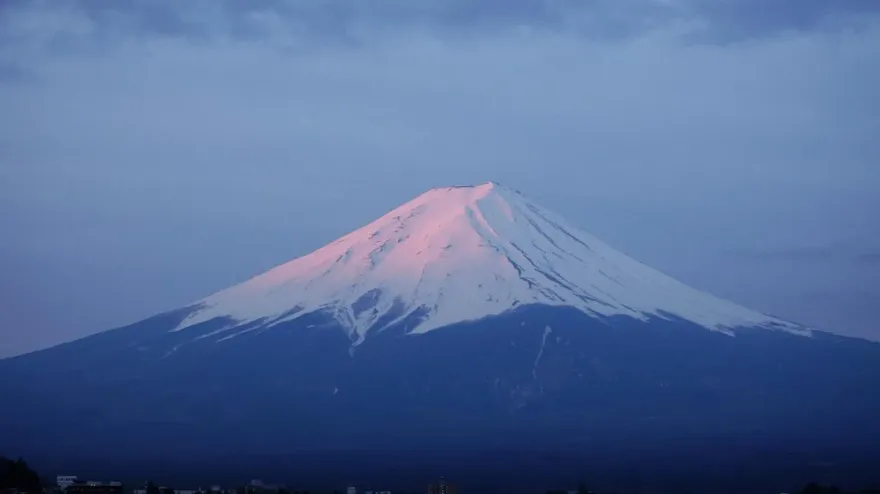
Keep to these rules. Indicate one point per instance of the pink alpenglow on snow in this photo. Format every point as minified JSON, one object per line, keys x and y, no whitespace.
{"x":461,"y":254}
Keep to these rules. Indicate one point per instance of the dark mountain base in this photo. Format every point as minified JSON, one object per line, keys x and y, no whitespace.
{"x":607,"y":401}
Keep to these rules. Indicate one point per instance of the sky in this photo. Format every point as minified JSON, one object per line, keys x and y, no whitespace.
{"x":154,"y":152}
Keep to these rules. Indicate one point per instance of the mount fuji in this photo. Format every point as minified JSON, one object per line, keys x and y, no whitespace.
{"x":468,"y":319}
{"x":461,"y":254}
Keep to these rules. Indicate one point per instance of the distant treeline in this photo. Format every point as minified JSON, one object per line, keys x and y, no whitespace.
{"x":814,"y":488}
{"x":811,"y":488}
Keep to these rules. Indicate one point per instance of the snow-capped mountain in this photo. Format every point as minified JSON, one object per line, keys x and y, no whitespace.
{"x":468,"y":319}
{"x":460,"y":254}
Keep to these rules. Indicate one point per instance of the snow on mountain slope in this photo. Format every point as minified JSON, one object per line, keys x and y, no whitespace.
{"x":463,"y":253}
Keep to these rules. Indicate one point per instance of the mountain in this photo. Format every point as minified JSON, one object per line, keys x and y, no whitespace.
{"x":462,"y":254}
{"x":467,"y":320}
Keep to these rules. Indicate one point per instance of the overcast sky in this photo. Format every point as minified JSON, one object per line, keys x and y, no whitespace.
{"x":153,"y":152}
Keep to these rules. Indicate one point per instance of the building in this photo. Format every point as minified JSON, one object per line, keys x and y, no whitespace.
{"x":164,"y":490}
{"x":442,"y":487}
{"x":62,"y":481}
{"x":257,"y":486}
{"x":94,"y":487}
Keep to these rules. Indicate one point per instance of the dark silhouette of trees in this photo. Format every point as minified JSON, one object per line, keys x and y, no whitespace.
{"x":814,"y":488}
{"x":19,"y":476}
{"x":581,"y":489}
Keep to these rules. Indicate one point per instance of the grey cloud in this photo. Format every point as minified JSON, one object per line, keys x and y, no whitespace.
{"x":801,"y":254}
{"x":848,"y":253}
{"x":744,"y":18}
{"x":870,"y":257}
{"x":347,"y":20}
{"x":15,"y":73}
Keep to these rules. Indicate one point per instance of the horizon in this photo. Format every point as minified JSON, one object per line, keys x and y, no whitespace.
{"x":571,"y":474}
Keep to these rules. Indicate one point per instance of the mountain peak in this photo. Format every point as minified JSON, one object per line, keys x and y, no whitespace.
{"x":462,"y":253}
{"x":482,"y":189}
{"x":482,"y":186}
{"x":462,"y":193}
